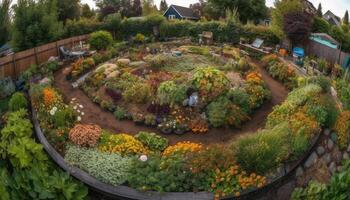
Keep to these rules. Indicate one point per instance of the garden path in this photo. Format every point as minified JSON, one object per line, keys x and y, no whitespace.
{"x":94,"y":114}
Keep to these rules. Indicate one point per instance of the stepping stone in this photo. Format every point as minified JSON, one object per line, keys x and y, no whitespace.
{"x":311,"y":160}
{"x":299,"y":171}
{"x":123,"y":61}
{"x":327,"y":158}
{"x":320,"y":150}
{"x":330,"y":144}
{"x":332,"y":167}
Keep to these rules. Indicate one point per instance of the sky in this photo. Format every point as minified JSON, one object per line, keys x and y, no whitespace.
{"x":338,"y":7}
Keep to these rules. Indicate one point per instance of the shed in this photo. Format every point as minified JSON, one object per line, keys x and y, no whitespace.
{"x":179,"y":12}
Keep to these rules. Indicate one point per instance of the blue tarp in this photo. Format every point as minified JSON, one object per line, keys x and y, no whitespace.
{"x":298,"y":52}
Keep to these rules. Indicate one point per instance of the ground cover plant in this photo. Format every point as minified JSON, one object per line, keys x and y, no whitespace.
{"x":161,"y":89}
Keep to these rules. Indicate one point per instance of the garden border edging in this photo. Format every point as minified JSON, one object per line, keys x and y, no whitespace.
{"x":125,"y":192}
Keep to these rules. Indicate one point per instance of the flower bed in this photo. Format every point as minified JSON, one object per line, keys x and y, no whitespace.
{"x":162,"y":90}
{"x":247,"y":164}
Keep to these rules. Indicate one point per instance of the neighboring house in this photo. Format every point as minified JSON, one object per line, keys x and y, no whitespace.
{"x":179,"y":12}
{"x":332,"y":18}
{"x":309,"y":7}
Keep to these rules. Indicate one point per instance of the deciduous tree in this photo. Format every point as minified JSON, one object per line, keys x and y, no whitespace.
{"x":86,"y":11}
{"x":297,"y":26}
{"x":4,"y":21}
{"x":35,"y":23}
{"x":163,"y":6}
{"x":68,"y":9}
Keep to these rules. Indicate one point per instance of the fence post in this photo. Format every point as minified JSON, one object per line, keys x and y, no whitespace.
{"x":14,"y":64}
{"x":57,"y":50}
{"x":36,"y":56}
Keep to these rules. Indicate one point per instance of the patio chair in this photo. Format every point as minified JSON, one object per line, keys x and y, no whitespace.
{"x":70,"y":55}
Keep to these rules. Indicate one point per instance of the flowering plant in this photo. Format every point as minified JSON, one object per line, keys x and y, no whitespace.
{"x":182,"y":148}
{"x":85,"y":135}
{"x":123,"y":144}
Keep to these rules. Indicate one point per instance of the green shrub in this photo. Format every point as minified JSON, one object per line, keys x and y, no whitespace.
{"x":17,"y":102}
{"x":7,"y":87}
{"x":138,"y":93}
{"x":160,"y":174}
{"x":153,"y":141}
{"x":299,"y":145}
{"x":64,"y":118}
{"x":150,"y":120}
{"x":171,"y":93}
{"x":314,"y":191}
{"x":343,"y":90}
{"x":81,"y":26}
{"x":217,"y":111}
{"x":100,"y":40}
{"x":240,"y":98}
{"x":140,"y":38}
{"x":264,"y":151}
{"x":106,"y":167}
{"x":160,"y":60}
{"x":120,"y":113}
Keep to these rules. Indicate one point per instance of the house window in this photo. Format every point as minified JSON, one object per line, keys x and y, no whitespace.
{"x":171,"y":17}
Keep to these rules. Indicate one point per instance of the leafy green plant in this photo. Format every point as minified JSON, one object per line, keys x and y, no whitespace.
{"x":217,"y":111}
{"x":170,"y":93}
{"x":138,"y":93}
{"x":314,"y":191}
{"x":17,"y":102}
{"x":36,"y":183}
{"x":120,"y":113}
{"x":210,"y":82}
{"x":150,"y":120}
{"x":153,"y":141}
{"x":64,"y":118}
{"x":100,"y":40}
{"x":106,"y":167}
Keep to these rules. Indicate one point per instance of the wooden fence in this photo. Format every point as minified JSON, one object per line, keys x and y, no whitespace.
{"x":15,"y":64}
{"x":331,"y":55}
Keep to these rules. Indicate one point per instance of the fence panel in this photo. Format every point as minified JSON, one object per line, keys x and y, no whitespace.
{"x":13,"y":65}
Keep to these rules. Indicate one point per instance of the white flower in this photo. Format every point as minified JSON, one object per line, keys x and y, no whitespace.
{"x":73,"y":99}
{"x":78,"y":118}
{"x":52,"y":112}
{"x":143,"y":158}
{"x":78,"y":111}
{"x":66,"y":106}
{"x":82,"y":113}
{"x":54,"y":108}
{"x":81,"y":106}
{"x":75,"y":107}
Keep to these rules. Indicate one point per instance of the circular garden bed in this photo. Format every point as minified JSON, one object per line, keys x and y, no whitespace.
{"x":176,"y":100}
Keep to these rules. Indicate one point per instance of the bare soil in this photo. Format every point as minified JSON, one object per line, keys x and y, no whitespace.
{"x":94,"y":114}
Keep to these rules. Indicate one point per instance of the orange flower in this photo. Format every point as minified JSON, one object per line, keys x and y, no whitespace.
{"x":49,"y":96}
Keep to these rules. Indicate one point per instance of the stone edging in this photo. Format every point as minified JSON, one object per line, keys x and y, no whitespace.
{"x":124,"y":192}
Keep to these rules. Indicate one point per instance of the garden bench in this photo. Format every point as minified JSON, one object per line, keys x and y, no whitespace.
{"x":71,"y":55}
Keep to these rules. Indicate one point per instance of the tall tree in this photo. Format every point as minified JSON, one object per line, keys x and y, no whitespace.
{"x":249,"y":10}
{"x":68,"y":9}
{"x":346,"y":18}
{"x":198,"y":8}
{"x":163,"y":6}
{"x":282,"y":8}
{"x":297,"y":26}
{"x":86,"y":11}
{"x":35,"y":23}
{"x":319,"y":10}
{"x":4,"y":21}
{"x":108,"y":7}
{"x":136,"y":8}
{"x":148,"y":7}
{"x":113,"y":23}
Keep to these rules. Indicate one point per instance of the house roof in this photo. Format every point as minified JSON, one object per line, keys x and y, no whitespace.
{"x":184,"y":12}
{"x":325,"y":39}
{"x":336,"y":20}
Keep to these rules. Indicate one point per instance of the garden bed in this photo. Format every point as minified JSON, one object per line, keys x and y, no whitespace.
{"x":147,"y":161}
